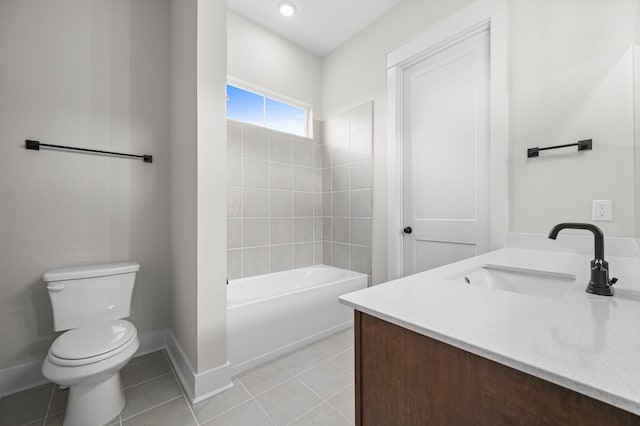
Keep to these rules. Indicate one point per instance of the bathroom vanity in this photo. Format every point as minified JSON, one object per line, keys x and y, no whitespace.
{"x":509,"y":337}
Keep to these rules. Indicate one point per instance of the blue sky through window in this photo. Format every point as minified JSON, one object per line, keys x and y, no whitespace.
{"x":259,"y":110}
{"x":245,"y":106}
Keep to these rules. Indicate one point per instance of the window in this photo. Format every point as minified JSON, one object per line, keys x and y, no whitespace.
{"x":264,"y":111}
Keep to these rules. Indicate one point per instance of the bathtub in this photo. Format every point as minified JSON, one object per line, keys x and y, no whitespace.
{"x":268,"y":315}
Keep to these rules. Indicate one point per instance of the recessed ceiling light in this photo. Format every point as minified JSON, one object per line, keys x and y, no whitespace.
{"x":287,"y":8}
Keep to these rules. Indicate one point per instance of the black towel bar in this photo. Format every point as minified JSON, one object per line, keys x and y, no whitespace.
{"x":35,"y":145}
{"x":582,"y":146}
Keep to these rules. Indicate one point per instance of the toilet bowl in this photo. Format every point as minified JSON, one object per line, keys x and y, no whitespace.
{"x":88,"y":360}
{"x":91,"y":302}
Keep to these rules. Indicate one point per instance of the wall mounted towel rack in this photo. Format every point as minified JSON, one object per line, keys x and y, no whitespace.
{"x":36,"y":145}
{"x":582,"y":146}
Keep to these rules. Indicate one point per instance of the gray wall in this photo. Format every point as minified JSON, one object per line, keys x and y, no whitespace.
{"x":274,"y":193}
{"x":347,"y":181}
{"x":93,"y":74}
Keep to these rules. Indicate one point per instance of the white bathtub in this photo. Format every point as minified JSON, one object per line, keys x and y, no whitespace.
{"x":271,"y":314}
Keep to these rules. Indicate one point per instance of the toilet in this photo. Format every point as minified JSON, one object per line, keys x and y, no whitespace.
{"x":91,"y":302}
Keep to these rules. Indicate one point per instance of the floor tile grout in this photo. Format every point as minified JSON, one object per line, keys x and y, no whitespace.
{"x":175,"y":377}
{"x":195,"y":419}
{"x":147,"y":380}
{"x":258,"y":403}
{"x":151,"y":408}
{"x":318,"y":359}
{"x":46,"y":414}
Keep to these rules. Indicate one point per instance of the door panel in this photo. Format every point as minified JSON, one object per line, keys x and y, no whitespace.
{"x":431,"y":254}
{"x":445,"y":135}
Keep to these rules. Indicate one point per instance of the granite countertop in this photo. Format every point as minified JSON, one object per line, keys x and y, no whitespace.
{"x":587,"y":343}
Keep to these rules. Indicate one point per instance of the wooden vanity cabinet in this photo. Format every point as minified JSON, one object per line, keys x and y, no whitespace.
{"x":404,"y":378}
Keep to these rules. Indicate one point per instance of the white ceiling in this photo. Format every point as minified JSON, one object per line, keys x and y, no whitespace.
{"x":319,"y":26}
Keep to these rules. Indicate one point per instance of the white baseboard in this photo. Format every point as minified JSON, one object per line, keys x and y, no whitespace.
{"x":21,"y":377}
{"x":25,"y":376}
{"x":197,"y":386}
{"x":239,"y":367}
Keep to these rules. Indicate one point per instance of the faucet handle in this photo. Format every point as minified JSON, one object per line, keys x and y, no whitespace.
{"x":613,"y":281}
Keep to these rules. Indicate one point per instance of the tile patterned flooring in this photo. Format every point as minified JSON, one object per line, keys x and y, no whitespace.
{"x":310,"y":386}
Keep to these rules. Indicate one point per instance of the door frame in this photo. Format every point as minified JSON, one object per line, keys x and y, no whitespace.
{"x":481,"y":15}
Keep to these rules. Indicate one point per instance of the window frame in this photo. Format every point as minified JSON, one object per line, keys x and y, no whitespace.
{"x":268,"y":94}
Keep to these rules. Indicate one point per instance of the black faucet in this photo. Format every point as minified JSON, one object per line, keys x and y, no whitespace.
{"x":600,"y":283}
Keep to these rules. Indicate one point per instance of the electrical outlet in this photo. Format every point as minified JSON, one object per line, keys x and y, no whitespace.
{"x":602,"y":211}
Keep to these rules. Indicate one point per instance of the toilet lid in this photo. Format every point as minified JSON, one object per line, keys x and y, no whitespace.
{"x":93,"y":340}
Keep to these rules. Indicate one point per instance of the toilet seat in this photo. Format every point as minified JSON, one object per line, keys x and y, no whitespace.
{"x":91,"y":344}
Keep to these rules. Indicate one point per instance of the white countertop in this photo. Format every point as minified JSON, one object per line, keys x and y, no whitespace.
{"x":587,"y":343}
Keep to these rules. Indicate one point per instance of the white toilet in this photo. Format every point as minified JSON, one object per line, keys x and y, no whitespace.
{"x":90,"y":302}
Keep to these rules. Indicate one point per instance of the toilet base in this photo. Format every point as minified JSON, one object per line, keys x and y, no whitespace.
{"x":94,"y":403}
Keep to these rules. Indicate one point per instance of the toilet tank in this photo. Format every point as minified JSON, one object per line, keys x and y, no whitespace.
{"x":87,"y":295}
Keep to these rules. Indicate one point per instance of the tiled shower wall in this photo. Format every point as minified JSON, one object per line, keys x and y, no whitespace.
{"x":274,"y":200}
{"x":347,"y":182}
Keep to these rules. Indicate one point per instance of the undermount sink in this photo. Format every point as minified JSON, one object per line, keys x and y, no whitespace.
{"x":531,"y":282}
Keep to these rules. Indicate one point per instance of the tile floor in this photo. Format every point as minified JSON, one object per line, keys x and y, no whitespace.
{"x":310,"y":386}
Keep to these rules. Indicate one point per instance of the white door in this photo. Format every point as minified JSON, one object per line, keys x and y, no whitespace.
{"x":446,"y":156}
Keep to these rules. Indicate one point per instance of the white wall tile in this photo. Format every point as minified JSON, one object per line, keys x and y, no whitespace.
{"x":317,"y":180}
{"x":255,"y":173}
{"x":326,"y":228}
{"x":234,"y":138}
{"x":340,"y":178}
{"x":234,"y":264}
{"x":361,"y":147}
{"x":234,"y":233}
{"x":340,"y":204}
{"x":281,"y":148}
{"x":281,"y":231}
{"x":340,"y":255}
{"x":317,"y":228}
{"x":234,"y":202}
{"x":317,"y":204}
{"x":339,"y":150}
{"x":281,"y":258}
{"x":326,"y":204}
{"x":361,"y":259}
{"x":317,"y":155}
{"x":255,"y":261}
{"x":281,"y":176}
{"x":302,"y":178}
{"x":362,"y":175}
{"x":255,"y":143}
{"x":340,"y":229}
{"x":302,"y":255}
{"x":255,"y":202}
{"x":234,"y":170}
{"x":302,"y":230}
{"x":255,"y":232}
{"x":281,"y":203}
{"x":303,"y":153}
{"x":326,"y":252}
{"x":361,"y":231}
{"x":361,"y":203}
{"x":302,"y":204}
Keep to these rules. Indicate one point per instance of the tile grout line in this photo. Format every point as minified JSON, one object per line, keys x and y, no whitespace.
{"x":151,"y":408}
{"x":230,"y":408}
{"x":256,"y":401}
{"x":193,"y":414}
{"x":46,"y":414}
{"x":175,"y":377}
{"x":146,"y":381}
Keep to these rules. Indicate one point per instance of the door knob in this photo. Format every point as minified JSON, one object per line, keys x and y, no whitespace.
{"x":407,"y":230}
